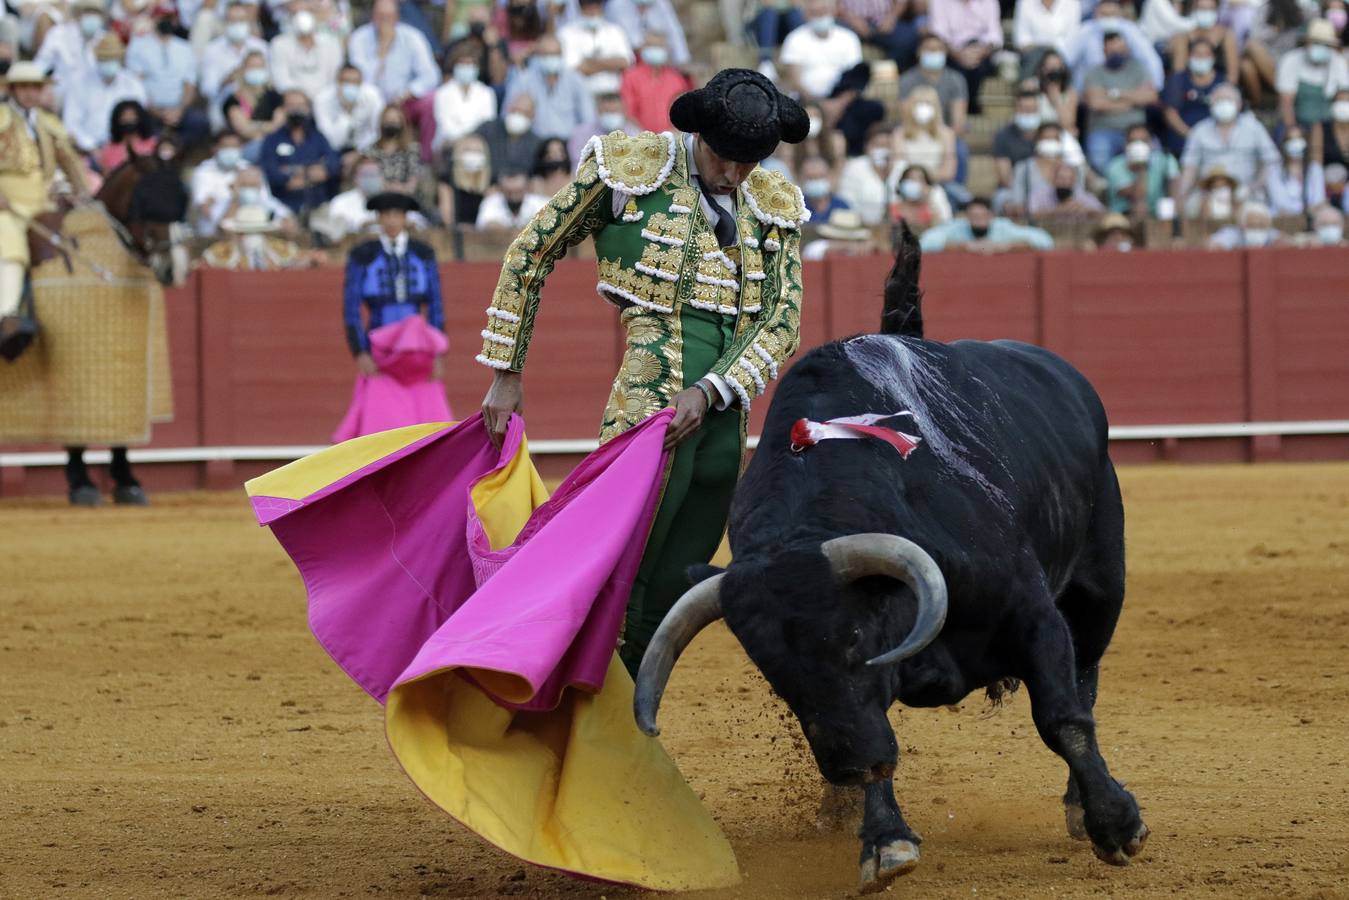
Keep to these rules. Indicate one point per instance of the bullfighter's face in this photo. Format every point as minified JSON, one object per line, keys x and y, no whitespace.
{"x":811,"y":638}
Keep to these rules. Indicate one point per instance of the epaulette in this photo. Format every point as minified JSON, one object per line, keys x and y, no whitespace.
{"x":774,"y":200}
{"x":364,"y":252}
{"x":422,"y":249}
{"x":633,"y":164}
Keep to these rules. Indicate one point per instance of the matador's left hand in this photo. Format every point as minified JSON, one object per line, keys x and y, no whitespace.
{"x":690,"y":408}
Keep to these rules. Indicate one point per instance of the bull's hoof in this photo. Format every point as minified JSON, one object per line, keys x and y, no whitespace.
{"x":1122,"y":855}
{"x":1076,"y":818}
{"x":888,"y":863}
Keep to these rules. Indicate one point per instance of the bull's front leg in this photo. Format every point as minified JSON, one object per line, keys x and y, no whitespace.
{"x":889,"y":845}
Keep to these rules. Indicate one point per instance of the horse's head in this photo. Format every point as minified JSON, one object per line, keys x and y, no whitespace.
{"x":146,"y":195}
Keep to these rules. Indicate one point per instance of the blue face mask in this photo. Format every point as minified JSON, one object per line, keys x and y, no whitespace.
{"x":549,"y":65}
{"x":932,"y":60}
{"x":465,"y":73}
{"x":228,"y":157}
{"x":108,"y":68}
{"x":90,"y":24}
{"x":1200,"y":65}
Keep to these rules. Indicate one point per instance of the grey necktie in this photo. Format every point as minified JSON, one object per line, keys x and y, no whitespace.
{"x":722,"y":223}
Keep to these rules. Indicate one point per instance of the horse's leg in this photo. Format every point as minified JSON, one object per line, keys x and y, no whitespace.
{"x":82,"y":490}
{"x":128,"y":490}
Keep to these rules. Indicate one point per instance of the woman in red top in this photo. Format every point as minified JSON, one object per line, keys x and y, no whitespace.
{"x":649,"y":87}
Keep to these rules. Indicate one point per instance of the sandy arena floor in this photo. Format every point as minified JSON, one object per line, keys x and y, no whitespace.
{"x":169,"y":729}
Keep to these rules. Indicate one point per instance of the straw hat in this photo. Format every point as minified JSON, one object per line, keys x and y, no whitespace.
{"x":844,"y":225}
{"x":25,"y":73}
{"x":1216,"y":173}
{"x":249,"y":220}
{"x":109,"y":46}
{"x":1320,"y":31}
{"x":94,"y":6}
{"x":1112,"y":222}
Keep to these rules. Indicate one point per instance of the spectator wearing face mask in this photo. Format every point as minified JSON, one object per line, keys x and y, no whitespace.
{"x":933,"y":72}
{"x":1310,"y":76}
{"x":1064,"y":199}
{"x":88,"y":111}
{"x":821,"y":140}
{"x":348,"y":112}
{"x":1185,"y":99}
{"x":815,"y":55}
{"x":213,"y":179}
{"x":1046,"y":23}
{"x":511,"y":140}
{"x":596,"y":48}
{"x":1230,"y":139}
{"x":1328,"y":227}
{"x":1058,"y":97}
{"x":167,"y":67}
{"x":1113,"y":233}
{"x":251,"y":107}
{"x":132,"y":131}
{"x":1117,"y":95}
{"x":1140,"y":176}
{"x":770,"y":26}
{"x":463,"y":103}
{"x":1254,"y":228}
{"x":225,"y":55}
{"x":817,"y":185}
{"x":1088,"y":51}
{"x":923,"y":139}
{"x":842,"y":234}
{"x":398,"y":156}
{"x":1204,"y":16}
{"x":1015,"y":141}
{"x":512,"y":205}
{"x":464,"y":182}
{"x":347,"y":214}
{"x":1297,"y":185}
{"x":251,"y":244}
{"x":67,"y":50}
{"x":559,"y":98}
{"x":918,"y":201}
{"x":552,"y":169}
{"x":883,"y":24}
{"x":864,"y":183}
{"x":641,"y":18}
{"x":301,"y":166}
{"x":249,"y":189}
{"x":972,"y":29}
{"x":650,"y":87}
{"x":979,"y":231}
{"x":1034,"y":176}
{"x":303,"y":57}
{"x":609,"y":116}
{"x":1336,"y":195}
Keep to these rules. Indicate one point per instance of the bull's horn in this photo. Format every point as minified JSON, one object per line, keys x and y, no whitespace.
{"x":859,"y":555}
{"x":699,"y":607}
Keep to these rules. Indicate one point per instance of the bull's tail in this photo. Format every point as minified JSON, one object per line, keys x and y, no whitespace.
{"x":903,"y":314}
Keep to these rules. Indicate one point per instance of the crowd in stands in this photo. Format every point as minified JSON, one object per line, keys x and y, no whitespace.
{"x":977,"y":122}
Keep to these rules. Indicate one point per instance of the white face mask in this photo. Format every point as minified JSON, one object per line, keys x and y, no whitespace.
{"x":304,"y":22}
{"x":1340,"y":110}
{"x":250,"y":196}
{"x":90,"y":24}
{"x":1225,"y":110}
{"x":1318,"y":53}
{"x":465,"y":72}
{"x":655,"y":56}
{"x":816,"y":188}
{"x":932,"y":60}
{"x":236,"y":32}
{"x":1330,"y":234}
{"x":517,"y":123}
{"x":1137,"y":151}
{"x":612,"y":121}
{"x":1206,"y":18}
{"x":472,"y":160}
{"x":108,"y":68}
{"x":1027,"y":121}
{"x":1220,"y":203}
{"x":1050,"y":148}
{"x":255,"y":77}
{"x":822,"y":24}
{"x":911,"y":190}
{"x":923,"y":113}
{"x":228,"y":157}
{"x":350,"y":92}
{"x":880,"y":157}
{"x":1295,"y":147}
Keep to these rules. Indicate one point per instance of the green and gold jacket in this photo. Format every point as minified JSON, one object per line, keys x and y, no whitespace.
{"x":656,"y":254}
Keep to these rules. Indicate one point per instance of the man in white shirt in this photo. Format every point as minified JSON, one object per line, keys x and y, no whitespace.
{"x":249,"y":190}
{"x":303,"y":57}
{"x":226,"y":53}
{"x":348,"y":213}
{"x":348,"y":112}
{"x":67,"y":51}
{"x":512,"y":206}
{"x":213,"y":182}
{"x":88,"y":109}
{"x":816,"y":54}
{"x":1054,"y":23}
{"x":463,"y":102}
{"x":394,"y":57}
{"x":597,"y":48}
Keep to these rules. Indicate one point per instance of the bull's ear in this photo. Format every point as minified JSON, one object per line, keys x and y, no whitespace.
{"x":700,"y":573}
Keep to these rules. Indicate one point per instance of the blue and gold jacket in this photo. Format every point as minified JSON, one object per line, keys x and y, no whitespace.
{"x":372,"y":280}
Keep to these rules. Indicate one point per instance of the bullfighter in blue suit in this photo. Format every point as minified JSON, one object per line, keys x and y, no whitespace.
{"x":399,"y":343}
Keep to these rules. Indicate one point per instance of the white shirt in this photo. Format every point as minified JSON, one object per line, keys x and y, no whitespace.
{"x":88,"y":110}
{"x":310,"y":69}
{"x":494,"y":213}
{"x":459,"y":110}
{"x":66,"y":55}
{"x":821,"y":60}
{"x":221,"y":59}
{"x":357,"y":126}
{"x":1161,"y":21}
{"x":865,"y":191}
{"x":1295,"y":68}
{"x":1035,"y":26}
{"x":580,"y":42}
{"x":346,"y":214}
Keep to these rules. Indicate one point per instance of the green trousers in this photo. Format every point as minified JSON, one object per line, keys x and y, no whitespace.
{"x":691,"y":518}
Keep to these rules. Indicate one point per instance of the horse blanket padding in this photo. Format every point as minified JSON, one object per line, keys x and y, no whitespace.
{"x":99,"y":371}
{"x":484,"y":615}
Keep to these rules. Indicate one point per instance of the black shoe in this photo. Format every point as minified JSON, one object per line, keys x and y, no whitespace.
{"x":85,"y":495}
{"x":16,"y":333}
{"x":130,"y":495}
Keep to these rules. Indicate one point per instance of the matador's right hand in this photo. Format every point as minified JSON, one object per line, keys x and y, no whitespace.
{"x":505,"y":396}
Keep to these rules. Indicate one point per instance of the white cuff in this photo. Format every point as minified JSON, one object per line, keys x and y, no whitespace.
{"x":723,"y":391}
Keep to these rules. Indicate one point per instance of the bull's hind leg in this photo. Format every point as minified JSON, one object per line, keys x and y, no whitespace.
{"x":1064,"y":720}
{"x":889,"y":845}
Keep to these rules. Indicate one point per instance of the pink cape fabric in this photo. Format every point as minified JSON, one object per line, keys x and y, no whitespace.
{"x":403,"y":392}
{"x":402,"y":583}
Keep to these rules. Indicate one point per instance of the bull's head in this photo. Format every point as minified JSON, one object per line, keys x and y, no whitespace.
{"x":821,"y":625}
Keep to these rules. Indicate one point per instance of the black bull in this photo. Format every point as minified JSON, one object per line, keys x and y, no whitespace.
{"x":994,"y":551}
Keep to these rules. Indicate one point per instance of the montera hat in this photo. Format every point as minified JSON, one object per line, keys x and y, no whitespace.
{"x":741,"y":115}
{"x":391,"y":200}
{"x":25,"y":73}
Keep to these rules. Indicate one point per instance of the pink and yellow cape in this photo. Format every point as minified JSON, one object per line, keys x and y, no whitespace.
{"x":484,"y":615}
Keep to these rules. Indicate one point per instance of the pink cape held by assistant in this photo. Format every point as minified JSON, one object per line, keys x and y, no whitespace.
{"x":484,"y":615}
{"x":404,"y":391}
